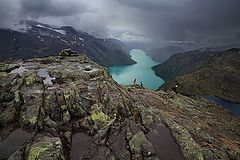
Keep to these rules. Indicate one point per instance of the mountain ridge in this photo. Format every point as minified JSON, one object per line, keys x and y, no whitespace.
{"x":215,"y":75}
{"x":41,"y":40}
{"x":181,"y":63}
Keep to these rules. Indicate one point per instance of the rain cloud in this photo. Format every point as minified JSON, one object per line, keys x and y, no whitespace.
{"x":215,"y":21}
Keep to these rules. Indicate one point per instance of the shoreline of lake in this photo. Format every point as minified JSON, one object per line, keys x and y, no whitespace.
{"x":232,"y":107}
{"x":141,"y":71}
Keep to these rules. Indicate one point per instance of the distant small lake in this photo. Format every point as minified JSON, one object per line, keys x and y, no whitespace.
{"x":234,"y":108}
{"x":142,"y":71}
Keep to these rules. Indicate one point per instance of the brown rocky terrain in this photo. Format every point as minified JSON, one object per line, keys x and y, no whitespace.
{"x":68,"y":107}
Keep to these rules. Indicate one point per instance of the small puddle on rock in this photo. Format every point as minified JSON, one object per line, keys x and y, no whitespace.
{"x":19,"y":70}
{"x":82,"y":147}
{"x":53,"y":67}
{"x":43,"y":73}
{"x":23,"y":67}
{"x":54,"y":87}
{"x":13,"y":142}
{"x":89,"y":70}
{"x":164,"y":145}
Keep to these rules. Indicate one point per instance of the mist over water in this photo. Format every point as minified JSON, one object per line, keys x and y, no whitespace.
{"x":142,"y":71}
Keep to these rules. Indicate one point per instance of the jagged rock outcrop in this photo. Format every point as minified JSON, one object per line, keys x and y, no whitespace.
{"x":73,"y":109}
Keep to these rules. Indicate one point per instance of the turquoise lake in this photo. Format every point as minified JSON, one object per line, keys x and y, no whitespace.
{"x":142,"y":71}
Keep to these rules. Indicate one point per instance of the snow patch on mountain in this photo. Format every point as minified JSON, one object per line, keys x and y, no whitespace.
{"x":23,"y":28}
{"x":64,"y":41}
{"x":81,"y":39}
{"x":56,"y":30}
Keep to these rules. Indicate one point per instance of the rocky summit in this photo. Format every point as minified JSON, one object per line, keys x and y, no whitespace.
{"x":69,"y":107}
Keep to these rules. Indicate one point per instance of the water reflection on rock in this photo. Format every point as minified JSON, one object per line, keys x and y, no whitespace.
{"x":43,"y":73}
{"x":82,"y":147}
{"x":164,"y":145}
{"x":19,"y":70}
{"x":13,"y":142}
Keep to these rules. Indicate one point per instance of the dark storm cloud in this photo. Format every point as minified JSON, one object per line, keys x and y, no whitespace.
{"x":6,"y":13}
{"x":12,"y":11}
{"x":200,"y":20}
{"x":197,"y":20}
{"x":56,"y":8}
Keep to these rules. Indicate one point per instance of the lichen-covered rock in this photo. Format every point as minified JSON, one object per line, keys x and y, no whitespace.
{"x":9,"y":116}
{"x":57,"y":98}
{"x":190,"y":149}
{"x":45,"y":147}
{"x":139,"y":145}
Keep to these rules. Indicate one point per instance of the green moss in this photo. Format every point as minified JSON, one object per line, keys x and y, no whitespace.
{"x":30,"y":80}
{"x":58,"y":143}
{"x":17,"y":96}
{"x":100,"y":116}
{"x":129,"y":135}
{"x":68,"y":93}
{"x":24,"y":99}
{"x":95,"y":106}
{"x":62,"y":157}
{"x":38,"y":91}
{"x":66,"y":96}
{"x":56,"y":70}
{"x":35,"y":152}
{"x":63,"y":107}
{"x":105,"y":97}
{"x":33,"y":120}
{"x":139,"y":144}
{"x":66,"y":117}
{"x":72,"y":84}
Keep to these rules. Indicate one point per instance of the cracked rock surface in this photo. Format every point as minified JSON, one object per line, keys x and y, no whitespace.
{"x":68,"y":107}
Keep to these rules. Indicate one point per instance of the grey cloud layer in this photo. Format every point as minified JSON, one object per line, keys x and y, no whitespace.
{"x":56,"y":8}
{"x":214,"y":20}
{"x":198,"y":20}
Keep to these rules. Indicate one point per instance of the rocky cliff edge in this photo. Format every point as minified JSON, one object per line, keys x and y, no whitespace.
{"x":68,"y":107}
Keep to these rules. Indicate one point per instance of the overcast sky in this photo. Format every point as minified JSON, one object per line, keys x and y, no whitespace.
{"x":162,"y":20}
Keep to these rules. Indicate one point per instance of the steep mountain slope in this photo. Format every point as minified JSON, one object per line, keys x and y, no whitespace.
{"x":68,"y":107}
{"x":162,"y":54}
{"x":218,"y":76}
{"x":181,"y":63}
{"x":41,"y":40}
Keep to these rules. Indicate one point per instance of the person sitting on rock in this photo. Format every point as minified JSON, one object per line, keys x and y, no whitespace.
{"x":134,"y":81}
{"x":141,"y":84}
{"x":175,"y":88}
